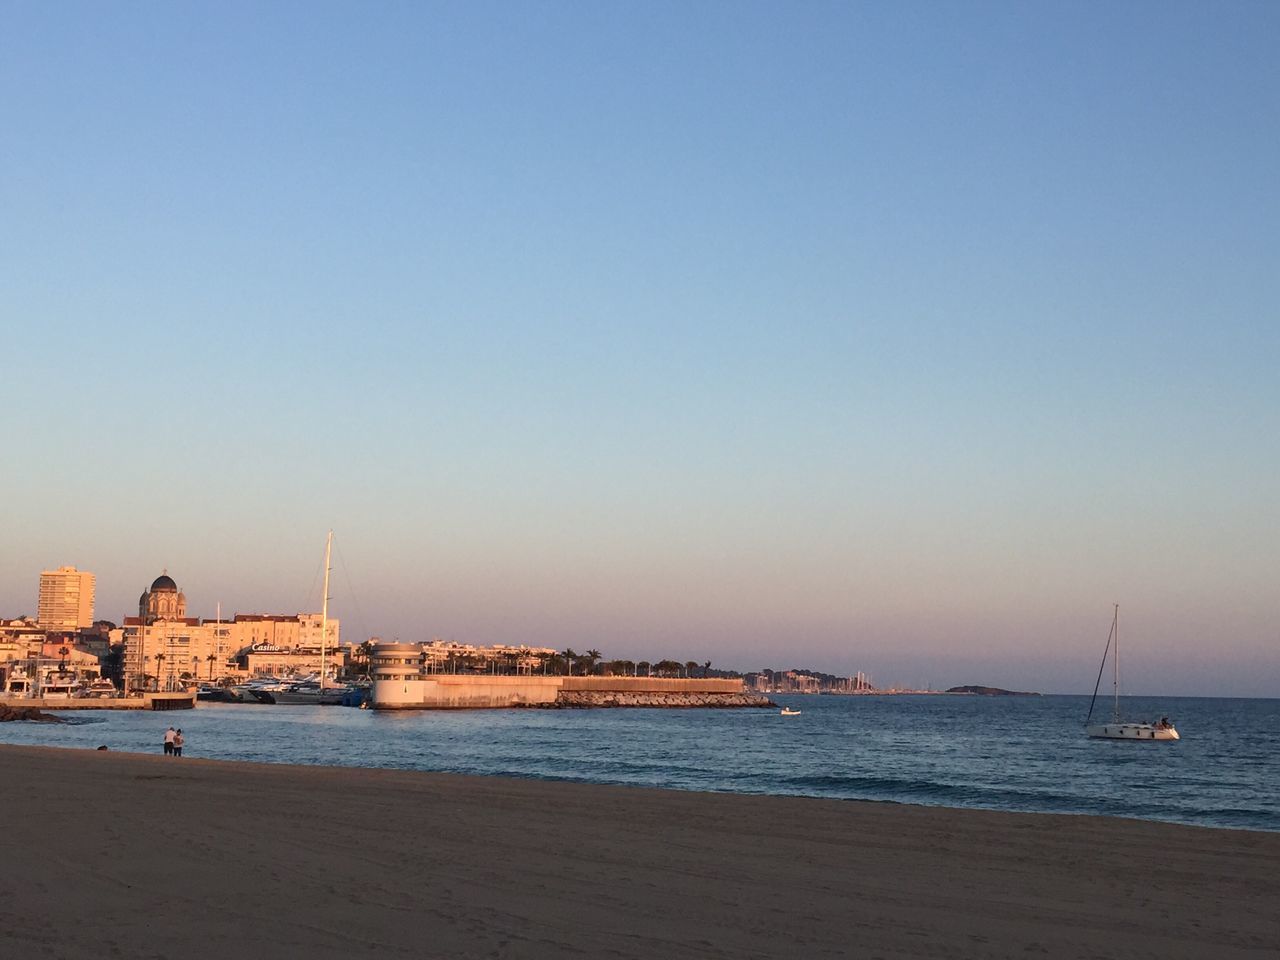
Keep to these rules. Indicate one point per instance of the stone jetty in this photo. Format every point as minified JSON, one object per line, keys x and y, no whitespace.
{"x":570,"y":699}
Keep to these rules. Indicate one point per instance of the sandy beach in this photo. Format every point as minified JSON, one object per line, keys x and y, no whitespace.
{"x":122,"y":855}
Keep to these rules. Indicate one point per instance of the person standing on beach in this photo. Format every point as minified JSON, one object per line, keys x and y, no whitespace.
{"x":168,"y":741}
{"x":177,"y":743}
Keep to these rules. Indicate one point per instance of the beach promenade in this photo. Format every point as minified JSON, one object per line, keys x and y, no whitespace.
{"x":123,"y":855}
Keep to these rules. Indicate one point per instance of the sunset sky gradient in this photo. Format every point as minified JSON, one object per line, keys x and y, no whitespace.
{"x":895,"y":337}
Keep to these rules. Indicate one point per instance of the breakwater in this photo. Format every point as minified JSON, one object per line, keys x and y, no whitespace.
{"x":576,"y":699}
{"x":180,"y":700}
{"x":417,"y":691}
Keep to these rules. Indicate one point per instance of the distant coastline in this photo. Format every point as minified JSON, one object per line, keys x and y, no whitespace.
{"x":991,"y":691}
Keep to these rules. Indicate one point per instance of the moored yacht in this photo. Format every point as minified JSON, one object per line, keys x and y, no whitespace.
{"x":1117,"y":729}
{"x":311,"y":692}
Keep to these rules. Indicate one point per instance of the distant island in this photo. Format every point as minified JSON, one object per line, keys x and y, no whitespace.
{"x":992,"y":692}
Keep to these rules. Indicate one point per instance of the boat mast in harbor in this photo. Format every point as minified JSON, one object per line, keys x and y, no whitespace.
{"x":324,"y":610}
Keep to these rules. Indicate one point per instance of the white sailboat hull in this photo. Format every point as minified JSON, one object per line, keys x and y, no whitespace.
{"x":1131,"y":731}
{"x":1117,"y":730}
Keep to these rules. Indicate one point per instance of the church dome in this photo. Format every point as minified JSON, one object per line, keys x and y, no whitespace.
{"x":164,"y":583}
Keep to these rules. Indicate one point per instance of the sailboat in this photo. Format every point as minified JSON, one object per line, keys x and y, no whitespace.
{"x":317,"y":690}
{"x":1118,"y":729}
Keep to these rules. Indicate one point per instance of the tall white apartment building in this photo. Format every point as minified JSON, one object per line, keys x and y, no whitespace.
{"x":66,"y":599}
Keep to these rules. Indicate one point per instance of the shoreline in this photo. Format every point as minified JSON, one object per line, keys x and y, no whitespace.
{"x":155,"y":856}
{"x":536,"y":778}
{"x":1137,"y":813}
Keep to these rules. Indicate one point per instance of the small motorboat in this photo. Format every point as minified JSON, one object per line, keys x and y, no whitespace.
{"x":788,"y":712}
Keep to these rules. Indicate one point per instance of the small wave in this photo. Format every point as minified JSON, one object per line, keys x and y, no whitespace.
{"x":935,"y":793}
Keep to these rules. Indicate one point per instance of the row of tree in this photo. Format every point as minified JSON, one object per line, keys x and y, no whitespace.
{"x":567,"y":662}
{"x":591,"y":664}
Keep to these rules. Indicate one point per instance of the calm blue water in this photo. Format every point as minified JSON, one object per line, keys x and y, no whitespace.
{"x":1005,"y":753}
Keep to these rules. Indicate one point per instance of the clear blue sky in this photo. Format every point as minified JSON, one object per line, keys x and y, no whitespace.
{"x":895,"y":337}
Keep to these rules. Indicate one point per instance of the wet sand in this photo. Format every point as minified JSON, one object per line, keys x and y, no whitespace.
{"x":123,"y":855}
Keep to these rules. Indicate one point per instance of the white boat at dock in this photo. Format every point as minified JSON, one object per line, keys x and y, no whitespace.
{"x":311,"y":692}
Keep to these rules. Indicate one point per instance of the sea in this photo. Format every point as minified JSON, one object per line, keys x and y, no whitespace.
{"x":996,"y":753}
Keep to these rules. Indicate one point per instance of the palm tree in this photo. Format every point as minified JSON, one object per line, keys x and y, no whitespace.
{"x":211,"y":658}
{"x":646,"y":666}
{"x":569,"y":657}
{"x":689,"y":667}
{"x":160,"y":659}
{"x":592,"y":657}
{"x":63,"y":666}
{"x":365,"y":653}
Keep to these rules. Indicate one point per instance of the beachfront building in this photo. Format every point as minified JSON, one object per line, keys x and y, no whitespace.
{"x":19,"y":638}
{"x":66,"y":599}
{"x":287,"y":632}
{"x":163,"y":654}
{"x":267,"y":660}
{"x":271,"y":645}
{"x":164,"y":648}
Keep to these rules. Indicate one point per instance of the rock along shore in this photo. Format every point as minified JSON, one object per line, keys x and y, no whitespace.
{"x":583,"y":699}
{"x":8,"y":713}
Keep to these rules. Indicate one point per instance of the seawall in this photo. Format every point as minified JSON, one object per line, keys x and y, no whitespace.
{"x":477,"y":691}
{"x":570,"y":699}
{"x":147,"y":701}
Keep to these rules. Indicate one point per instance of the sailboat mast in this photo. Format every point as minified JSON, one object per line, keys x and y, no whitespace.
{"x":1115,"y":661}
{"x":324,"y":609}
